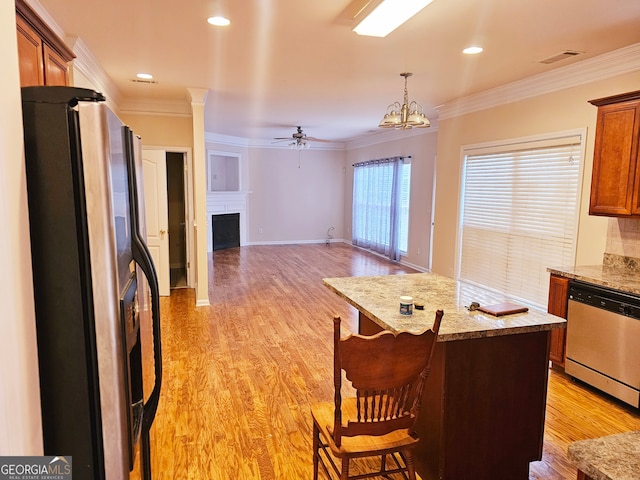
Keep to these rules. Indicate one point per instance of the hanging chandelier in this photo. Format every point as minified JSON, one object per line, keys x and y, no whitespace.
{"x":405,"y":116}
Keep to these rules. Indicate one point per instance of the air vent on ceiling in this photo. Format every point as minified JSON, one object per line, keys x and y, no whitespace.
{"x":138,"y":80}
{"x":560,"y":56}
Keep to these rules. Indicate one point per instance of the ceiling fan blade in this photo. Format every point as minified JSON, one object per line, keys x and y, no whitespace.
{"x":299,"y":137}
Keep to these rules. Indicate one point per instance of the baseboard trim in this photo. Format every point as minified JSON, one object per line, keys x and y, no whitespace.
{"x":295,"y":242}
{"x":414,"y":266}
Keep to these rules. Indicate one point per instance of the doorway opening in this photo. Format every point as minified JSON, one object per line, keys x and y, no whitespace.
{"x":177,"y":208}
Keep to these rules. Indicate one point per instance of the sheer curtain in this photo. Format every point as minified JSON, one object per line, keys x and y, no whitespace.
{"x":376,"y":205}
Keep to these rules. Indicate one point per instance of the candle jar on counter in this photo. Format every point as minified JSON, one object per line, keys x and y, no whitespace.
{"x":406,"y":305}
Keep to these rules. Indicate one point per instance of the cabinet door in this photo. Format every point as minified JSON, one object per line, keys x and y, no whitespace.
{"x":635,"y":200}
{"x":29,"y":55}
{"x":614,"y":161}
{"x":558,"y":302}
{"x":55,"y":68}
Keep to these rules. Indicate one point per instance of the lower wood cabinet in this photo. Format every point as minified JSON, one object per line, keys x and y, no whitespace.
{"x":558,"y":301}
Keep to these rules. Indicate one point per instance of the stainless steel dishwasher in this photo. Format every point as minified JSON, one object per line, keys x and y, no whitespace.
{"x":603,"y":340}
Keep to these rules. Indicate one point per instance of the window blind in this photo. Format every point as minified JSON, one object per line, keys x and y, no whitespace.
{"x":519,"y":215}
{"x":405,"y":192}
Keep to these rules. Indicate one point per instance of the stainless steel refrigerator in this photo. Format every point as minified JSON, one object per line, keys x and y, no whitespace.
{"x":95,"y":285}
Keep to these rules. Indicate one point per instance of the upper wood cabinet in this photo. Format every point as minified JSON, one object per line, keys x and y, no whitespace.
{"x":29,"y":55}
{"x":43,"y":57}
{"x":615,"y":184}
{"x":558,"y":304}
{"x":56,"y":71}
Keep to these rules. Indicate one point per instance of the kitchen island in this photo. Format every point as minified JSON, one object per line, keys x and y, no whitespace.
{"x":482,"y":414}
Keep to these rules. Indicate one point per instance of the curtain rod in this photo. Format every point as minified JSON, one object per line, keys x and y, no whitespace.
{"x":380,"y":160}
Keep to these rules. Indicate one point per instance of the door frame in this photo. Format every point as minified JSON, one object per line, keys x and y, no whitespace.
{"x":189,"y":202}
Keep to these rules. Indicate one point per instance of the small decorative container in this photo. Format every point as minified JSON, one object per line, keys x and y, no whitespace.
{"x":406,"y":305}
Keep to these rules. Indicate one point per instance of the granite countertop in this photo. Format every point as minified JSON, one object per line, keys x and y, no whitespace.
{"x":617,"y":272}
{"x":615,"y":457}
{"x":379,"y":299}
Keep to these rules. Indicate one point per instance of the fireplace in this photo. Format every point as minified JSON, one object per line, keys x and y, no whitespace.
{"x":225,"y":229}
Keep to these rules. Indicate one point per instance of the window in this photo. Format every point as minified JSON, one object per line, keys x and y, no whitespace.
{"x":519,"y":213}
{"x":381,"y":205}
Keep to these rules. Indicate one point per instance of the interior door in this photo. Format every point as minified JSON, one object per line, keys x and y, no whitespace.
{"x":187,"y":217}
{"x":154,"y":169}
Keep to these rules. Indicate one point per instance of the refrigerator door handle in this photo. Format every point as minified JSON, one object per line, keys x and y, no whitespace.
{"x":142,"y":257}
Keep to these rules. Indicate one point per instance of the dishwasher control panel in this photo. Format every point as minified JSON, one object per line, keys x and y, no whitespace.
{"x":605,"y":298}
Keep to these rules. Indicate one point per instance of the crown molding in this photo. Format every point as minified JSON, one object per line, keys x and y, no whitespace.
{"x":37,"y":7}
{"x":618,"y":62}
{"x":87,"y":64}
{"x":226,"y":139}
{"x":170,"y":108}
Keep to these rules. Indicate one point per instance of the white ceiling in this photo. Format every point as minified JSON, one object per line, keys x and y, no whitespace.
{"x":283,"y":63}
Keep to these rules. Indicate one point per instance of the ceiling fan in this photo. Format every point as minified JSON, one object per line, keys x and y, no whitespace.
{"x":299,"y":139}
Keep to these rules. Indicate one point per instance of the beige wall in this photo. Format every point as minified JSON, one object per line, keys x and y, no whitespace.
{"x":20,"y":425}
{"x":562,"y":110}
{"x":161,"y":130}
{"x":295,"y":195}
{"x":79,"y":79}
{"x":422,"y":149}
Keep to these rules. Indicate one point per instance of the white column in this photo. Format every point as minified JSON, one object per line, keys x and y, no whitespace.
{"x":20,"y":424}
{"x":198,"y":99}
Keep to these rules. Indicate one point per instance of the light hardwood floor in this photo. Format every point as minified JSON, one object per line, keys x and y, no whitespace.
{"x":239,"y":376}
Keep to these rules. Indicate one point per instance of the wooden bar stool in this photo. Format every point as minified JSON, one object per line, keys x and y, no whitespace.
{"x":388,"y":372}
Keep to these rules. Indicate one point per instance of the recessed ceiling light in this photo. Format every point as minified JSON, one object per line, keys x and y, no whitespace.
{"x":388,"y":16}
{"x":219,"y":21}
{"x":472,"y":50}
{"x":145,"y":76}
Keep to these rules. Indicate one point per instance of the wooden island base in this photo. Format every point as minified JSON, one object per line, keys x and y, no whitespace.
{"x":483,"y":410}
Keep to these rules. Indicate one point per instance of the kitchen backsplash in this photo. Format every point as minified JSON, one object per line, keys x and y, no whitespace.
{"x":623,"y":240}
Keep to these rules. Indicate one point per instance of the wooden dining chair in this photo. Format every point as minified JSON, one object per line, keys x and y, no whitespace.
{"x":388,"y":372}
